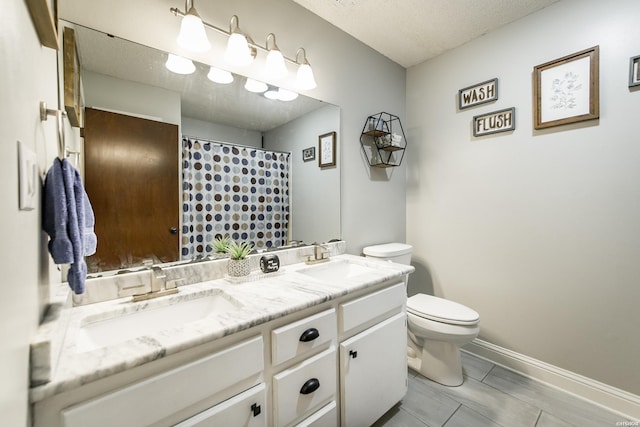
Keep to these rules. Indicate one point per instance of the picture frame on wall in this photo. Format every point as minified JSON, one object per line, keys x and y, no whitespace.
{"x":71,"y":78}
{"x":634,"y":71}
{"x":327,"y":150}
{"x":44,"y":14}
{"x":309,"y":154}
{"x":566,"y":90}
{"x":478,"y":94}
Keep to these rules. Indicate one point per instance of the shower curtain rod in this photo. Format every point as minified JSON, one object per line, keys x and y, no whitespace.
{"x":232,"y":144}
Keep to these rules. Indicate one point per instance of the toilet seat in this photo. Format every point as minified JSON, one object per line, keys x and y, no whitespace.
{"x":441,"y":310}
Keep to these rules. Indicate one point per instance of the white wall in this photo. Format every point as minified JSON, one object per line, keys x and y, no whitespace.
{"x":221,"y":133}
{"x":313,"y":193}
{"x":536,"y":230}
{"x":28,"y":75}
{"x":349,"y":74}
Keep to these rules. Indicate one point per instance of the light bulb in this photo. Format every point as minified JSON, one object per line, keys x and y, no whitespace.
{"x":238,"y":52}
{"x":180,"y":65}
{"x":255,"y":86}
{"x":304,"y":78}
{"x":286,"y":95}
{"x":192,"y":34}
{"x":217,"y":75}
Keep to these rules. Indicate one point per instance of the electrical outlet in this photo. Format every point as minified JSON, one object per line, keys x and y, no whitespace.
{"x":28,"y":177}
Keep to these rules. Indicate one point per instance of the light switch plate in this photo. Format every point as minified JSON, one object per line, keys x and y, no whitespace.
{"x":28,"y":177}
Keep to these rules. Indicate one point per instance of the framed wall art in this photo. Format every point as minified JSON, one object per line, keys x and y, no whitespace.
{"x":477,"y":94}
{"x":44,"y":14}
{"x":327,"y":150}
{"x":309,"y":154}
{"x":72,"y":93}
{"x":634,"y":71}
{"x":566,"y":90}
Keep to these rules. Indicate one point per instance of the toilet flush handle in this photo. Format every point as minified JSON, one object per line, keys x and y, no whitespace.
{"x":353,"y":354}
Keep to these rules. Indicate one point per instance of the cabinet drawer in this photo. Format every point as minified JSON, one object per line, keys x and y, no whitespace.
{"x":248,"y":409}
{"x":303,"y":336}
{"x":375,"y":306}
{"x":325,"y":417}
{"x":290,"y":400}
{"x":152,"y":400}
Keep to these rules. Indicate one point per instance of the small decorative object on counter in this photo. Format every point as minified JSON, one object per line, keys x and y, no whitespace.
{"x":269,"y":263}
{"x":239,"y":263}
{"x":220,"y":245}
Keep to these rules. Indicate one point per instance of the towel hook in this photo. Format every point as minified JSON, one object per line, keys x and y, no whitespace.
{"x":60,"y":114}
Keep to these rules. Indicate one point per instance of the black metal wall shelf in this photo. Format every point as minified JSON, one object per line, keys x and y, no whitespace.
{"x":383,"y":141}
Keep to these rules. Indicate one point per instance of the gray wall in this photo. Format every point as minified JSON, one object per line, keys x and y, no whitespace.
{"x":28,"y":75}
{"x":315,"y":199}
{"x":536,"y":230}
{"x":221,"y":133}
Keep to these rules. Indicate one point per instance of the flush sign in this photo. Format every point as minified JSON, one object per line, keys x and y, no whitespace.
{"x":497,"y":121}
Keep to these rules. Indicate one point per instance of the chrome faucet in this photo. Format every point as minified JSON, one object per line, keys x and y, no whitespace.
{"x":320,"y":254}
{"x":159,"y":285}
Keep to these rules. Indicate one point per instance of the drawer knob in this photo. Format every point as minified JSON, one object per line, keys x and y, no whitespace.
{"x":310,"y":386}
{"x":255,"y":408}
{"x":309,"y":335}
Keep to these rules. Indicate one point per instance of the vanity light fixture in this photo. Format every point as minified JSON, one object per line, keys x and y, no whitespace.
{"x":192,"y":34}
{"x":275,"y":67}
{"x":179,"y":65}
{"x":238,"y":52}
{"x":304,"y":78}
{"x":280,"y":94}
{"x":255,"y":86}
{"x":218,"y":75}
{"x":241,"y":49}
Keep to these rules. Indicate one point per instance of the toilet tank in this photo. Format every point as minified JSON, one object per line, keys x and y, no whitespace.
{"x":396,"y":252}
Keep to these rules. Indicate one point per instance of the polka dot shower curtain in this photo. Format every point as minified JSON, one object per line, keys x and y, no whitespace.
{"x":234,"y":191}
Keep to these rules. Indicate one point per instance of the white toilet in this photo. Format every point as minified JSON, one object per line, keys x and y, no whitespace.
{"x":436,"y":327}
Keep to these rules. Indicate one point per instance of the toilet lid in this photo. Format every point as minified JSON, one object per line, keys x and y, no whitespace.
{"x":441,"y":310}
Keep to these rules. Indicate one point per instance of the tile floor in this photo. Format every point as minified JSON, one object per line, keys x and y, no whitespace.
{"x":492,"y":396}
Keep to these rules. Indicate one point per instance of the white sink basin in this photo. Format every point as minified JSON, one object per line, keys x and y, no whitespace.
{"x":147,"y":317}
{"x":335,"y":270}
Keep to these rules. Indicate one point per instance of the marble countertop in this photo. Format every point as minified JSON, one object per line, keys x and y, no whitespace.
{"x":269,"y":297}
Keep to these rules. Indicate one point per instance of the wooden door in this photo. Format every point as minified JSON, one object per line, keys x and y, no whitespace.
{"x":131,"y":178}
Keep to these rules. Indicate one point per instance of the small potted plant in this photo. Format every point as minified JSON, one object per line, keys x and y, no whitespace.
{"x":239,"y":263}
{"x":220,"y":245}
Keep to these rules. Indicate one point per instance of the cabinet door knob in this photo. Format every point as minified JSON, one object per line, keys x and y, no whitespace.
{"x":353,"y":354}
{"x":173,"y":230}
{"x":255,"y":408}
{"x":310,"y":386}
{"x":309,"y":335}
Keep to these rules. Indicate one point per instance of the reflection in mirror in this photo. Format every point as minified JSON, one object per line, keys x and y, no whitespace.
{"x":123,"y":78}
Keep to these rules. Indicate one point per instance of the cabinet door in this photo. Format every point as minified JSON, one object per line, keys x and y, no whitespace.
{"x":373,"y":371}
{"x":247,"y":409}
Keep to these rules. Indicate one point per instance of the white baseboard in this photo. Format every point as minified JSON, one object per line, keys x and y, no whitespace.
{"x":622,"y":402}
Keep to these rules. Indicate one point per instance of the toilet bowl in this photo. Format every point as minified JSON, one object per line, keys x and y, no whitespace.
{"x":436,"y":327}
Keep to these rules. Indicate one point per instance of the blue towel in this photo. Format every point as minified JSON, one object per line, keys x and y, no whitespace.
{"x":68,"y":219}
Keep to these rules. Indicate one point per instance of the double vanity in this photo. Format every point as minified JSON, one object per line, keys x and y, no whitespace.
{"x":321,"y":345}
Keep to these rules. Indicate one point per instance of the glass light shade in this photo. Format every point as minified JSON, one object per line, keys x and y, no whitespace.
{"x":255,"y":86}
{"x":275,"y":67}
{"x":192,"y":34}
{"x":272,"y":94}
{"x":217,"y":75}
{"x":304,"y":78}
{"x":286,"y":95}
{"x":179,"y":65}
{"x":238,"y":52}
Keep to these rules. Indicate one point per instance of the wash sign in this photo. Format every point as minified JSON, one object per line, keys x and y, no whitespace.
{"x":478,"y":94}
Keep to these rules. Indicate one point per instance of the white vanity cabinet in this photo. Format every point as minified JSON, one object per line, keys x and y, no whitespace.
{"x":168,"y":397}
{"x":373,"y":361}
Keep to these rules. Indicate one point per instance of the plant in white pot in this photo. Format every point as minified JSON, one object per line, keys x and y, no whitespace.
{"x":239,"y":263}
{"x":220,"y":245}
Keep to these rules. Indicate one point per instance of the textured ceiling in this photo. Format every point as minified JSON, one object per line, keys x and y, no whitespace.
{"x":412,"y":31}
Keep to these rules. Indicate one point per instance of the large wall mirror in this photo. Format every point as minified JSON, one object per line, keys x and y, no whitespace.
{"x":123,"y":78}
